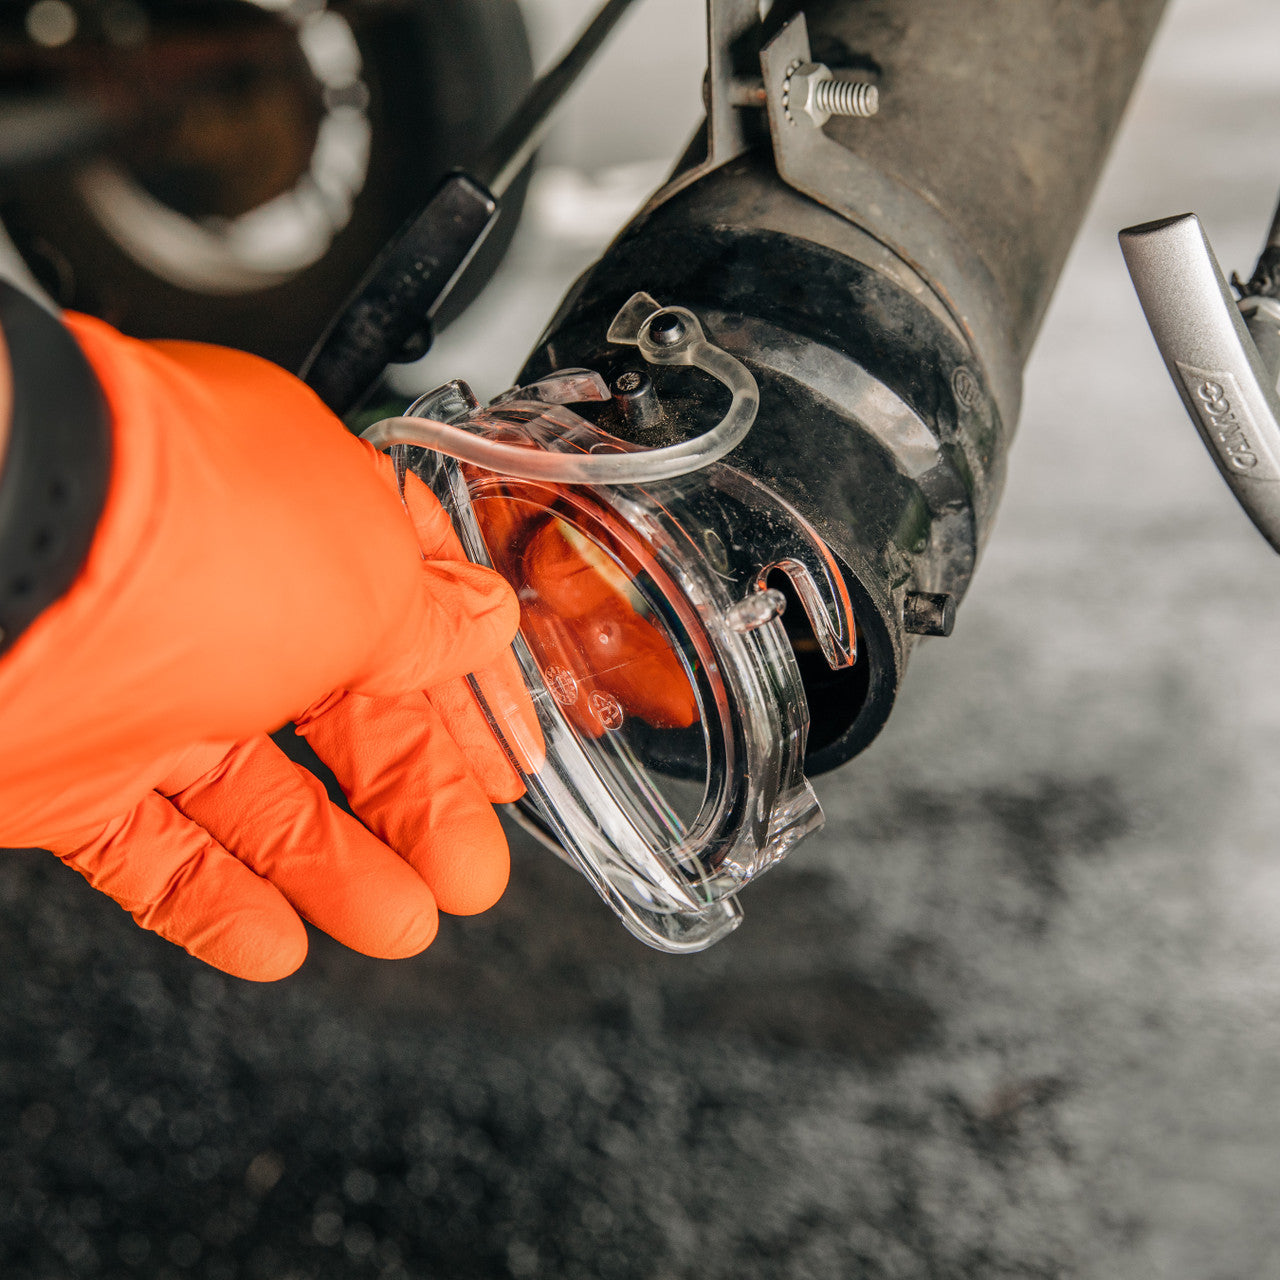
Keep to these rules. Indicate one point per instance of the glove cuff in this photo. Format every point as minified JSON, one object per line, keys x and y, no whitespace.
{"x":55,"y":470}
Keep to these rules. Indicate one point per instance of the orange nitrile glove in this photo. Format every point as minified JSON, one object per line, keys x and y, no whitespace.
{"x":254,"y":564}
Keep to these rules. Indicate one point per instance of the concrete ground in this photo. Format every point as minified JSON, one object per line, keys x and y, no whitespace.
{"x":1014,"y":1013}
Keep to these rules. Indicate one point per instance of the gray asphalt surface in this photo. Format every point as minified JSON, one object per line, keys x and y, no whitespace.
{"x":1014,"y":1013}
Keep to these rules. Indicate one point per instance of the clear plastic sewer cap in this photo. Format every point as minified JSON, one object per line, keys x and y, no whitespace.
{"x":658,"y":720}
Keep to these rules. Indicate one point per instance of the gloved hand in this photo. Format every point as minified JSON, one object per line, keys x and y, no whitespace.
{"x":254,"y":564}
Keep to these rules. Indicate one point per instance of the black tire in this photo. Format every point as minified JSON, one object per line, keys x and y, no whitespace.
{"x":442,"y":76}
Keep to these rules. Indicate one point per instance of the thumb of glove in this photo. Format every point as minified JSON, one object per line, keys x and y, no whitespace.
{"x":464,"y":617}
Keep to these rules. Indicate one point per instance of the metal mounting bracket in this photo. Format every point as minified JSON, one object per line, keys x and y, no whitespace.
{"x":729,"y":25}
{"x":731,"y":52}
{"x":903,"y":220}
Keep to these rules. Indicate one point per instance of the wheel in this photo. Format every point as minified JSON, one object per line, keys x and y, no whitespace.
{"x":269,"y":149}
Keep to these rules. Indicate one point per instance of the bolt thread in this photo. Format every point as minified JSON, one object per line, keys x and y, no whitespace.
{"x":847,"y":98}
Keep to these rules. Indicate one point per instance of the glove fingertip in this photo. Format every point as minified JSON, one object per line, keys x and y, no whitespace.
{"x":412,"y":932}
{"x":282,"y":958}
{"x":468,"y":886}
{"x":262,"y":950}
{"x":467,"y":616}
{"x":495,"y":613}
{"x":505,"y":788}
{"x":483,"y":889}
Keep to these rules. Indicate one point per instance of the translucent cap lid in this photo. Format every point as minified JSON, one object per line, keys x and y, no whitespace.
{"x":664,"y":756}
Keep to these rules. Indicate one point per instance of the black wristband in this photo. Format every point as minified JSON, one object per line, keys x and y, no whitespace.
{"x":55,"y":468}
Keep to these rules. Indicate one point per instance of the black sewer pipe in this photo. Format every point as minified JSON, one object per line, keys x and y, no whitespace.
{"x":883,"y":420}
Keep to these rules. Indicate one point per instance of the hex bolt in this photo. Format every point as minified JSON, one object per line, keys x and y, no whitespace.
{"x":929,"y":613}
{"x":846,"y":98}
{"x":666,"y":329}
{"x":810,"y":89}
